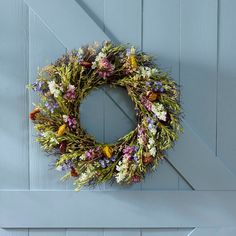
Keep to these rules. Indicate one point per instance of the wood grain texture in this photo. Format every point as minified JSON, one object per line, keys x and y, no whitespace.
{"x":13,"y":95}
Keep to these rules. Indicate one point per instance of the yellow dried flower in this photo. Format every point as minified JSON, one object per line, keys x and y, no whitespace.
{"x":107,"y":151}
{"x":61,"y":130}
{"x":133,"y":61}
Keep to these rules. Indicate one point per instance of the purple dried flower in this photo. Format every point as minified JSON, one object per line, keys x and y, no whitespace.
{"x":105,"y":68}
{"x":90,"y":154}
{"x":136,"y":179}
{"x":38,"y":86}
{"x":147,"y":104}
{"x":51,"y":106}
{"x":70,"y":93}
{"x":72,"y":122}
{"x":102,"y":163}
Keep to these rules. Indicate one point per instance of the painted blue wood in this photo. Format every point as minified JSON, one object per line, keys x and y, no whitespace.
{"x":14,"y":232}
{"x":163,"y":178}
{"x":185,"y":43}
{"x":13,"y":95}
{"x":95,"y":10}
{"x":199,"y":165}
{"x":119,"y":209}
{"x":218,"y":231}
{"x":198,"y":66}
{"x":47,"y":232}
{"x":92,"y":114}
{"x":166,"y":232}
{"x":119,"y":114}
{"x":162,"y":40}
{"x":161,"y":34}
{"x":227,"y":85}
{"x":44,"y":48}
{"x":121,"y":232}
{"x":122,"y":16}
{"x":82,"y":29}
{"x":85,"y":232}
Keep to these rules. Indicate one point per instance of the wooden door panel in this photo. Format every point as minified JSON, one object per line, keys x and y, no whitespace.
{"x":13,"y":96}
{"x":44,"y":48}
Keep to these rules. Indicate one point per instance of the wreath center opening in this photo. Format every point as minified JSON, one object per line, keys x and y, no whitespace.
{"x":108,"y":113}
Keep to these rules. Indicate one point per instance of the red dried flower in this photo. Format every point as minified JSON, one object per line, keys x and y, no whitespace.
{"x":33,"y":113}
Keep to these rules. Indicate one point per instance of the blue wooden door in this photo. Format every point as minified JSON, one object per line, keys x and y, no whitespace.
{"x":192,"y":192}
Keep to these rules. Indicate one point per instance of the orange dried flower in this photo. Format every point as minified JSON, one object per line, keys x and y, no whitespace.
{"x":152,"y":96}
{"x":33,"y":113}
{"x":147,"y":159}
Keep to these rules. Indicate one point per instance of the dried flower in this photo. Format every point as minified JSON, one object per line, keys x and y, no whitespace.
{"x":147,"y":158}
{"x":159,"y":110}
{"x":147,"y":104}
{"x":107,"y":151}
{"x":73,"y":172}
{"x":61,"y":130}
{"x":33,"y":113}
{"x":133,"y":62}
{"x":136,"y":179}
{"x":54,"y":88}
{"x":152,"y":96}
{"x":86,"y":64}
{"x":63,"y":146}
{"x":70,"y":93}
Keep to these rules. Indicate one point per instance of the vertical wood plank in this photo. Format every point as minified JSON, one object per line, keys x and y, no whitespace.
{"x":198,"y":66}
{"x":84,"y":232}
{"x":227,"y":84}
{"x":161,"y":35}
{"x":13,"y":95}
{"x":47,"y":232}
{"x":13,"y":232}
{"x":44,"y":48}
{"x":123,"y":21}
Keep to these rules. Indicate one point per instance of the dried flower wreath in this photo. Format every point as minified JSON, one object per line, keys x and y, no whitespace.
{"x":64,"y":84}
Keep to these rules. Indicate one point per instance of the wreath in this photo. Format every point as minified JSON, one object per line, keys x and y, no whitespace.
{"x":64,"y":84}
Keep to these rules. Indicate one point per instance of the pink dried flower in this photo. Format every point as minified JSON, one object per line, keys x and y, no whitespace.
{"x":105,"y":68}
{"x":70,"y":93}
{"x":147,"y":104}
